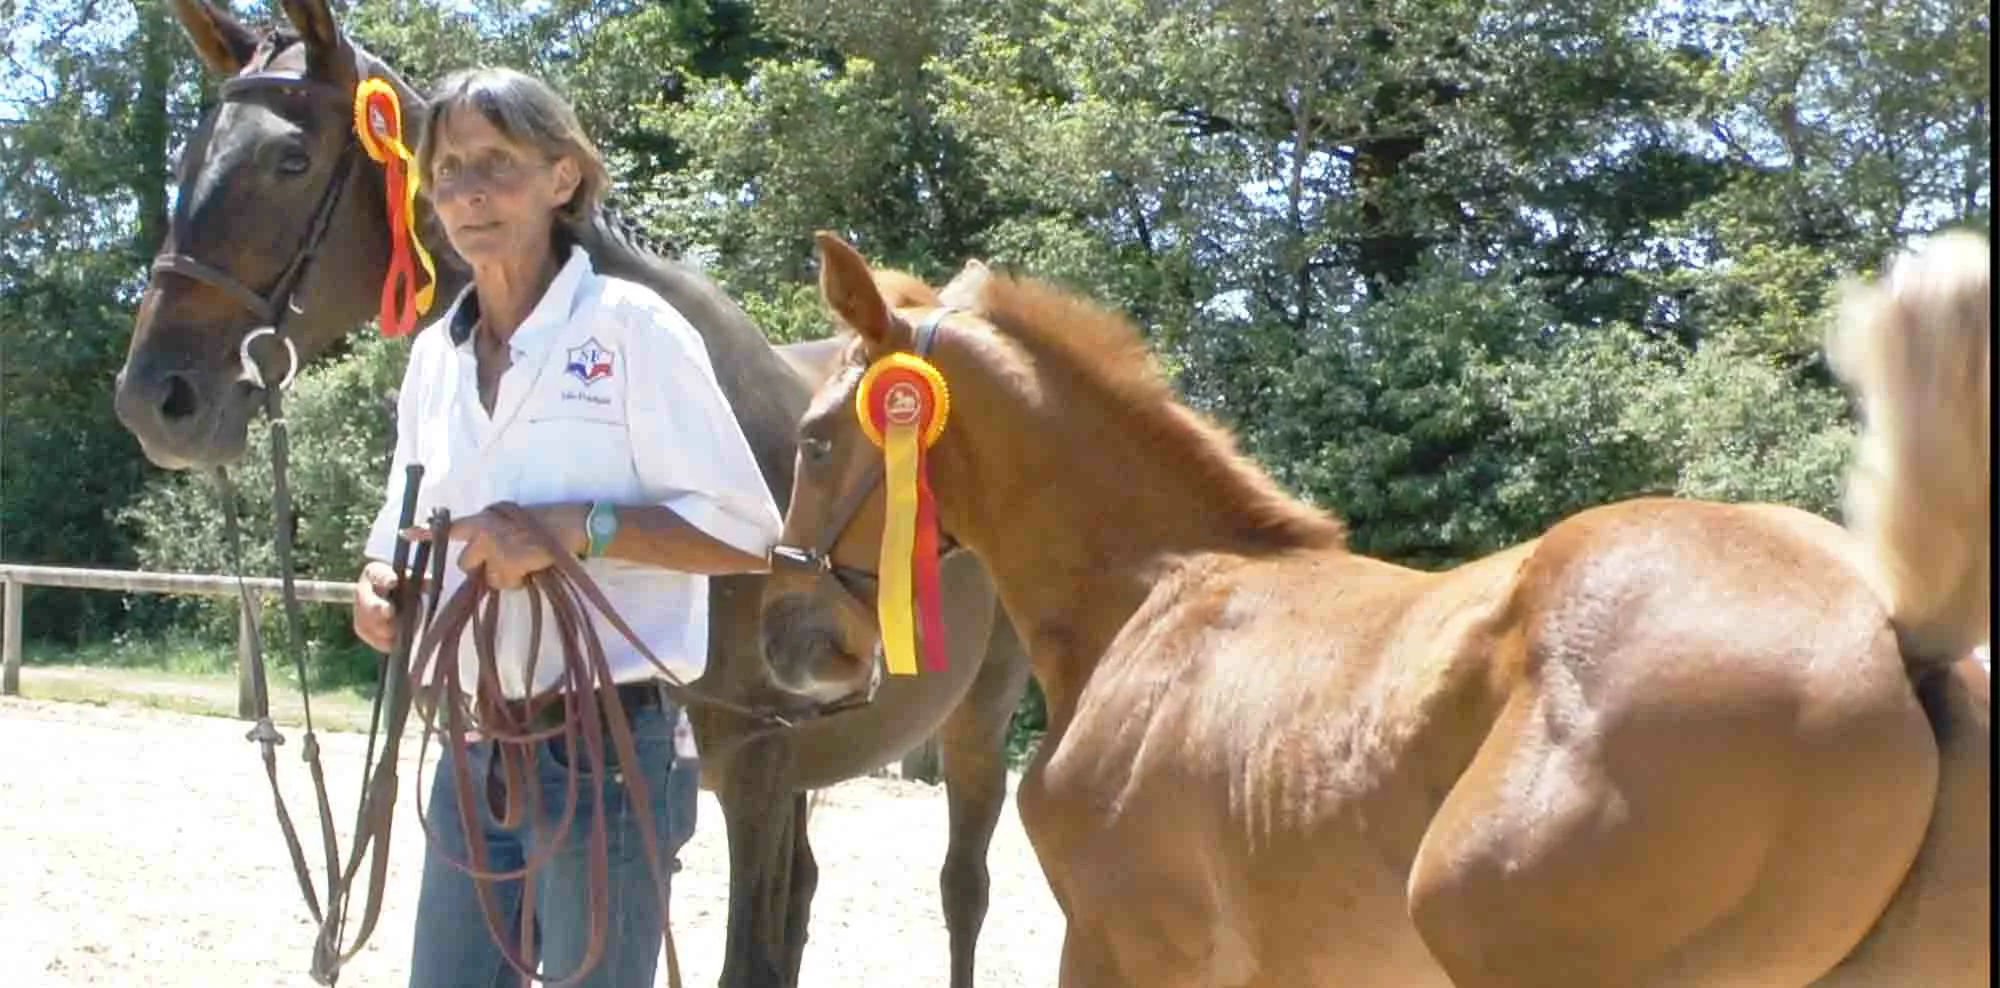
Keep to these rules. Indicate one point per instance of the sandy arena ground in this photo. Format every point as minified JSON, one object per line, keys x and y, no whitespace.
{"x":140,"y":849}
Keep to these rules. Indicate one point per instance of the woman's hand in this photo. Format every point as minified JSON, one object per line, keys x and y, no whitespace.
{"x":375,"y":607}
{"x":508,"y":551}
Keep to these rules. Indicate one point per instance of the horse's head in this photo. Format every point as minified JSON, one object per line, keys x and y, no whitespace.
{"x":820,"y":633}
{"x":279,"y":218}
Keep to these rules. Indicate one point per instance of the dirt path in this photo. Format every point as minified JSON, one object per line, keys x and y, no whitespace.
{"x":140,"y":848}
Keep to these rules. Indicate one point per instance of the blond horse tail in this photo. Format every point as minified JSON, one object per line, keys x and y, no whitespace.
{"x":1914,"y":349}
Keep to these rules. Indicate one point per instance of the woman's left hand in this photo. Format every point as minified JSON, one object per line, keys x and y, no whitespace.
{"x":508,"y":551}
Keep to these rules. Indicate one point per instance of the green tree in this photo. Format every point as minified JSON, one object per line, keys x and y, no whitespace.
{"x":97,"y":95}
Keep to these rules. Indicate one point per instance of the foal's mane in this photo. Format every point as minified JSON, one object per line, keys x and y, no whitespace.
{"x":1105,"y":353}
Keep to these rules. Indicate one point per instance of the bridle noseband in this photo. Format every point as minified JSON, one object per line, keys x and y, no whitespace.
{"x":817,"y":558}
{"x":271,"y":306}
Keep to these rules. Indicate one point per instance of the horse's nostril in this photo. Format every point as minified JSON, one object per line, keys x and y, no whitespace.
{"x":181,"y":401}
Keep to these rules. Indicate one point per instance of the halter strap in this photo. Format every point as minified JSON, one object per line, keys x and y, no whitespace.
{"x":818,"y":557}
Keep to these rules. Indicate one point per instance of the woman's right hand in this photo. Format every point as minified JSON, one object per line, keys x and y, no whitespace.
{"x":375,"y":606}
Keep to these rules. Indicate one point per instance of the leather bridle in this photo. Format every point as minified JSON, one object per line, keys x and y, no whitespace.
{"x":817,"y":559}
{"x":274,"y":304}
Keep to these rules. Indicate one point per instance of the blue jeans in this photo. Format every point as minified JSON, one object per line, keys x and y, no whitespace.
{"x":455,"y":949}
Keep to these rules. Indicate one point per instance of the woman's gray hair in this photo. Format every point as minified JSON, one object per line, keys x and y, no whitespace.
{"x":527,"y":111}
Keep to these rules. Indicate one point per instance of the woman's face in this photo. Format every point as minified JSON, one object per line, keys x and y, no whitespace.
{"x":497,"y":198}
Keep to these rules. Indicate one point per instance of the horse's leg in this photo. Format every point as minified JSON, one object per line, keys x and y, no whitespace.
{"x":804,"y":874}
{"x":1086,"y":962}
{"x":757,"y":811}
{"x":973,"y":743}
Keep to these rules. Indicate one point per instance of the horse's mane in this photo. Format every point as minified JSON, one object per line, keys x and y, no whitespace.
{"x":613,"y":233}
{"x":903,"y":290}
{"x":1106,"y":354}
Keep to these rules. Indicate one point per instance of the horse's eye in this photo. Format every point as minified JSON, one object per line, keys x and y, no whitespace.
{"x":294,"y":162}
{"x":817,"y":449}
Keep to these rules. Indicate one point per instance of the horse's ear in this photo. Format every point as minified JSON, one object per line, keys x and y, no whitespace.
{"x":224,"y":45}
{"x":848,"y":288}
{"x":962,"y":291}
{"x":328,"y":55}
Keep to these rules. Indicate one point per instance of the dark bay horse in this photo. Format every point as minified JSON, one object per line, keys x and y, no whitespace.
{"x":1666,"y":743}
{"x":266,"y":209}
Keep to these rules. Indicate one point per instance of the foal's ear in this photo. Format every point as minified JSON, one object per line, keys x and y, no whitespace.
{"x":328,"y":56}
{"x":848,"y":288}
{"x":224,"y":45}
{"x":962,"y":291}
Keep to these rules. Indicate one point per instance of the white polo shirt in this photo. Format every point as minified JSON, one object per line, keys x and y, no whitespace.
{"x":610,"y":395}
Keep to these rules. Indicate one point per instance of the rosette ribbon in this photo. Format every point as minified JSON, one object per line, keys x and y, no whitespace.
{"x":378,"y":122}
{"x":903,"y":404}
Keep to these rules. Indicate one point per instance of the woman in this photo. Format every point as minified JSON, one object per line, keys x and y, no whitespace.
{"x":591,"y":402}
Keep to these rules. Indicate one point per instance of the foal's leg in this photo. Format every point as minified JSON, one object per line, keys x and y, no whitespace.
{"x":804,"y":875}
{"x":1086,"y":962}
{"x":973,"y":743}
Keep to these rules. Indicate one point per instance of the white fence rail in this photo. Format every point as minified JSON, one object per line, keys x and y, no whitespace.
{"x":16,"y":578}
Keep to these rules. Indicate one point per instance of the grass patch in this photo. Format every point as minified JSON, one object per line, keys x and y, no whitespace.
{"x":188,"y":673}
{"x":177,"y":653}
{"x":346,"y":666}
{"x":207,"y":695}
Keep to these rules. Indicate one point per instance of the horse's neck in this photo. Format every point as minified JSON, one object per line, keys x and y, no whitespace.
{"x":1067,"y":613}
{"x":1076,"y":534}
{"x":766,"y":395}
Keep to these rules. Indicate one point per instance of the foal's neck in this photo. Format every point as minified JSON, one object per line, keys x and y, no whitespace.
{"x":1082,"y":510}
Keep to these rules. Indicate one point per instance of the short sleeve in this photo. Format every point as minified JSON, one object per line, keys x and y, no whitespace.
{"x":688,"y":450}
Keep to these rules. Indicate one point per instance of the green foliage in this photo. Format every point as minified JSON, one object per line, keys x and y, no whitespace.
{"x":63,"y":456}
{"x":1397,"y":421}
{"x":788,"y":314}
{"x":1027,"y":726}
{"x":84,"y":126}
{"x":341,"y":414}
{"x":1453,"y":270}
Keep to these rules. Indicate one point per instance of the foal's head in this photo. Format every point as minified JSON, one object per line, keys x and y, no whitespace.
{"x":819,"y":625}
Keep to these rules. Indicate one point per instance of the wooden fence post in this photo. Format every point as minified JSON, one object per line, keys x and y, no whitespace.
{"x":10,"y":650}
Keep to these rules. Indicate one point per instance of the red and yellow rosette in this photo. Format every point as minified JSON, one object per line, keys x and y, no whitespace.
{"x":903,"y":404}
{"x":378,"y":122}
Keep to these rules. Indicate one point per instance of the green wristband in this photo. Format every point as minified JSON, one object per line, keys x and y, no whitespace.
{"x":600,"y":524}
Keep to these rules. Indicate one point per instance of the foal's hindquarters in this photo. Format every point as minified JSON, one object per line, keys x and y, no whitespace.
{"x":1938,"y":929}
{"x":1712,"y":771}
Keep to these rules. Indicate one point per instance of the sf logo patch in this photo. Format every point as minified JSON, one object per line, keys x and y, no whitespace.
{"x":591,"y":362}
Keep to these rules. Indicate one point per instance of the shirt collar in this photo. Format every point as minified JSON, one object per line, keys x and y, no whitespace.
{"x":557,"y":304}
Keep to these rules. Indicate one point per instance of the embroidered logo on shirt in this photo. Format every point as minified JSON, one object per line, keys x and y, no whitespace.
{"x":591,"y":362}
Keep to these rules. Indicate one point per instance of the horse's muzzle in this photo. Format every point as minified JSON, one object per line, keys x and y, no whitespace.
{"x":808,"y":654}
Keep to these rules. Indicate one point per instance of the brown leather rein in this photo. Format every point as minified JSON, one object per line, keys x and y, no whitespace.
{"x":516,"y":727}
